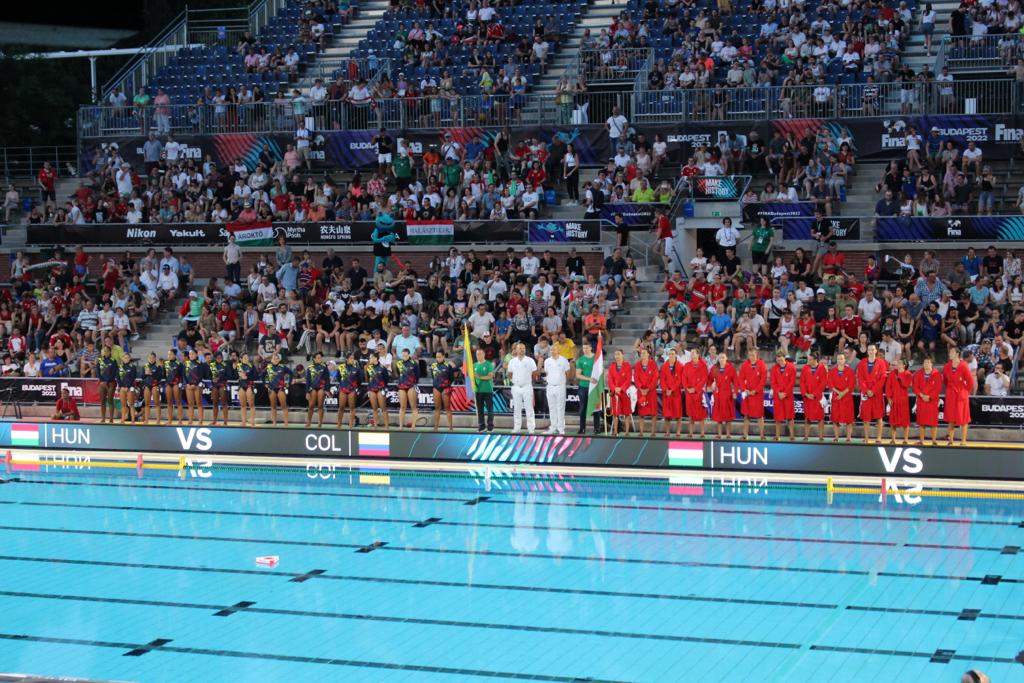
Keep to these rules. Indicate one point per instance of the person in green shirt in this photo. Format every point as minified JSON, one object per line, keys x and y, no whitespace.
{"x":483,"y":387}
{"x":643,"y":194}
{"x":761,"y":245}
{"x":452,"y":174}
{"x":402,"y":170}
{"x":584,"y":370}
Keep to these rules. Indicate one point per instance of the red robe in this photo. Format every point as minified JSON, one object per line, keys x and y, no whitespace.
{"x":723,"y":383}
{"x":842,"y":408}
{"x":897,"y":391}
{"x":927,"y":412}
{"x":752,"y":379}
{"x":695,"y":377}
{"x":812,"y":385}
{"x":872,"y":379}
{"x":671,"y":388}
{"x":959,"y":385}
{"x":619,"y":380}
{"x":646,"y":380}
{"x":784,"y":380}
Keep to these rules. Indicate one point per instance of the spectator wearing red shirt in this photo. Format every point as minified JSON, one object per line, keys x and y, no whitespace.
{"x":834,"y":261}
{"x":47,"y":179}
{"x":67,"y":407}
{"x":849,"y":328}
{"x":699,"y":293}
{"x":227,"y":322}
{"x":676,"y":287}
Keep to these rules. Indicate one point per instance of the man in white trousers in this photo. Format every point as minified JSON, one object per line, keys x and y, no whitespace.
{"x":556,"y":370}
{"x":521,"y":370}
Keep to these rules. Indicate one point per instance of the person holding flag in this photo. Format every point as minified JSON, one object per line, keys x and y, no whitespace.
{"x":672,"y":394}
{"x":127,"y":377}
{"x":723,"y":381}
{"x":584,"y":368}
{"x":620,"y":379}
{"x":695,"y":379}
{"x":348,"y":376}
{"x":783,"y":381}
{"x":645,"y":378}
{"x":753,"y":375}
{"x":556,"y":373}
{"x":959,"y":387}
{"x":872,"y":373}
{"x":441,"y":373}
{"x":927,"y":389}
{"x":277,"y":377}
{"x":522,"y":369}
{"x":316,"y":389}
{"x":481,"y":377}
{"x":897,"y":391}
{"x":595,"y":386}
{"x":152,"y":374}
{"x":813,"y":381}
{"x":841,"y":380}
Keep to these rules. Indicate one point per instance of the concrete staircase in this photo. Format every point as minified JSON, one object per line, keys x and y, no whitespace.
{"x":156,"y":336}
{"x":598,"y":15}
{"x":336,"y":55}
{"x":914,"y":53}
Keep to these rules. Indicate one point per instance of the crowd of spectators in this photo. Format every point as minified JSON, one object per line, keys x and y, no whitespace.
{"x":712,"y":50}
{"x":911,"y":309}
{"x":478,"y":180}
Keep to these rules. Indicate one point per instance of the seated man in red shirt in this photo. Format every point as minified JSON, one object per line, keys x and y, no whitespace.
{"x":676,"y":287}
{"x":67,"y":407}
{"x":834,"y":261}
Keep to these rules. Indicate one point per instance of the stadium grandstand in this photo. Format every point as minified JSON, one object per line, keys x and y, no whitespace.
{"x":576,"y":233}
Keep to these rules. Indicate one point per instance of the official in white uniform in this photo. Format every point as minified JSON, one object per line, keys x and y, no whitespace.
{"x":556,"y":367}
{"x":521,"y":369}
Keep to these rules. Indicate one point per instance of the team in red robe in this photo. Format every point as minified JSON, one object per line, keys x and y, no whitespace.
{"x":813,"y":382}
{"x":872,"y":373}
{"x":723,"y":381}
{"x":782,"y":379}
{"x":897,"y":391}
{"x":620,"y":379}
{"x":959,"y":387}
{"x":645,"y":379}
{"x":671,"y":391}
{"x":695,"y":377}
{"x":752,"y":377}
{"x":927,"y":389}
{"x":842,"y":380}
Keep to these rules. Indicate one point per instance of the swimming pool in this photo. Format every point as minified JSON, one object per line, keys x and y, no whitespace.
{"x":409,"y":577}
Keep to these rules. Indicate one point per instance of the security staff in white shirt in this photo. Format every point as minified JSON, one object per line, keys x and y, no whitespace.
{"x":521,"y":369}
{"x":556,"y":370}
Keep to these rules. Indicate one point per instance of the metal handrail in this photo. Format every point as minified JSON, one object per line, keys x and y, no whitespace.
{"x":990,"y":52}
{"x":175,"y":33}
{"x":592,"y":64}
{"x":24,"y":162}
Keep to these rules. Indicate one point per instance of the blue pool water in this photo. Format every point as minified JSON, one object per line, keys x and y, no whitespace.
{"x":415,"y":578}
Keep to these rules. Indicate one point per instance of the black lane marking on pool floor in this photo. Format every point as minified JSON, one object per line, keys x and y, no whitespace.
{"x":427,"y":522}
{"x":320,"y":574}
{"x":497,"y":525}
{"x":369,"y":548}
{"x":938,"y":656}
{"x":423,"y":621}
{"x":298,"y":659}
{"x":233,"y":609}
{"x":302,"y":578}
{"x":499,"y":501}
{"x":990,"y":579}
{"x":151,"y":646}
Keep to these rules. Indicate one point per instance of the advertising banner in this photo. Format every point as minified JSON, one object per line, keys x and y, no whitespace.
{"x":800,"y":228}
{"x":636,"y":216}
{"x":47,"y":390}
{"x":715,"y":187}
{"x":949,"y":228}
{"x":331,"y":233}
{"x":688,"y":458}
{"x":565,"y":231}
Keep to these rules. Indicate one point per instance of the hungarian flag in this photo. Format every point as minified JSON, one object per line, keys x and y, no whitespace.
{"x":252,"y":234}
{"x":430,"y":232}
{"x":467,"y":363}
{"x":597,"y":386}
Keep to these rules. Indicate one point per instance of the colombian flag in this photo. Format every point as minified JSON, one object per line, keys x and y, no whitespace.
{"x":467,"y":363}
